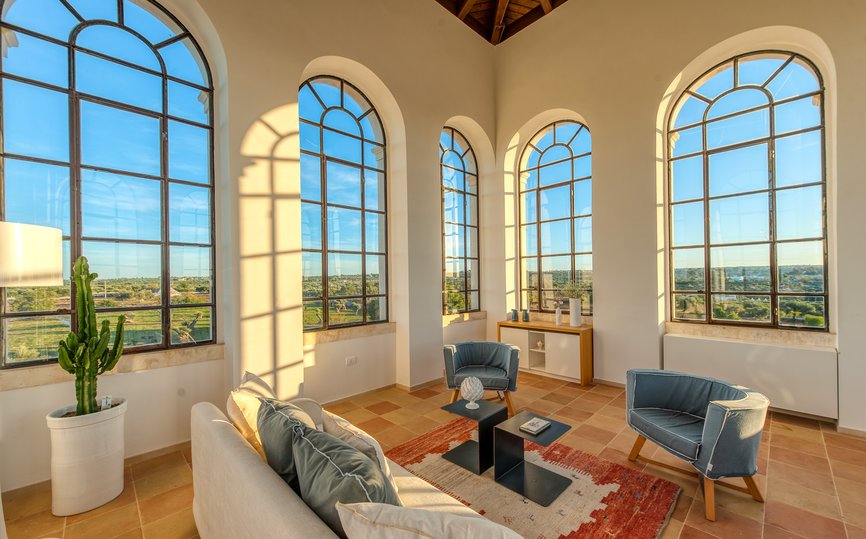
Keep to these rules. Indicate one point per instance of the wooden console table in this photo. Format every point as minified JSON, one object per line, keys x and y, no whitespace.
{"x":560,"y":351}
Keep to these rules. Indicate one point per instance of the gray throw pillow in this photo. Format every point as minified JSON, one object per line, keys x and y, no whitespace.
{"x":275,"y":422}
{"x":330,"y":471}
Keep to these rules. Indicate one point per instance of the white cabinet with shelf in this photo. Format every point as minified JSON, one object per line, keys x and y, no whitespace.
{"x":560,"y":351}
{"x":518,"y":338}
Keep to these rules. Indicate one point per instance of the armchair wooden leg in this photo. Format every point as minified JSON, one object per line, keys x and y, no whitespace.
{"x":635,"y":450}
{"x":455,"y":395}
{"x":753,"y":489}
{"x":710,"y":499}
{"x":508,"y":403}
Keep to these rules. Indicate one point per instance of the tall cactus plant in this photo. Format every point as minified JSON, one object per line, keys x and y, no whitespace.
{"x":86,"y":354}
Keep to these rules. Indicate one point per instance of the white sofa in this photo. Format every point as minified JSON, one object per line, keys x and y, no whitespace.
{"x":238,"y":495}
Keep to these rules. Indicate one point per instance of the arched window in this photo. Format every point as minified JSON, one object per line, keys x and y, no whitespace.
{"x":459,"y":175}
{"x":747,"y":195}
{"x":107,"y":134}
{"x":555,"y":206}
{"x":343,"y":206}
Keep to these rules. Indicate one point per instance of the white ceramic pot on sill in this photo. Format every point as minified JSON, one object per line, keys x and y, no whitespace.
{"x":86,"y":458}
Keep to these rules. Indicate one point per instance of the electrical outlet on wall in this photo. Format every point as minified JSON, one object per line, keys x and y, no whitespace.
{"x":351,"y":361}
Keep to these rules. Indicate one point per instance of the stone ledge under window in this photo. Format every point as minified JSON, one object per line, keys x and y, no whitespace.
{"x":459,"y":318}
{"x":757,"y":335}
{"x":312,"y":338}
{"x":41,"y":375}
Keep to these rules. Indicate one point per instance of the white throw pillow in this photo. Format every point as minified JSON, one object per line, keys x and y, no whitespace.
{"x":242,"y":408}
{"x":340,"y":428}
{"x":384,"y":521}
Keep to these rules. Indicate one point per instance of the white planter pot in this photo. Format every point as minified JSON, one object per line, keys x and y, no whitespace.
{"x":575,"y":307}
{"x":86,"y":458}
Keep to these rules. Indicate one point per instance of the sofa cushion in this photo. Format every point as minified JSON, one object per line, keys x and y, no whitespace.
{"x":416,"y":493}
{"x":360,"y":440}
{"x":384,"y":521}
{"x":242,"y":407}
{"x":677,"y":431}
{"x":491,"y":377}
{"x":331,"y":471}
{"x":275,"y":423}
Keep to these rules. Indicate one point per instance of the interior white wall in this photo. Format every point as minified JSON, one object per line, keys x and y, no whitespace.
{"x":612,"y":63}
{"x":327,"y":378}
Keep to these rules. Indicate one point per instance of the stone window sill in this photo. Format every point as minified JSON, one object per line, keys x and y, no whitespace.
{"x":459,"y":318}
{"x":312,"y":338}
{"x":756,"y":335}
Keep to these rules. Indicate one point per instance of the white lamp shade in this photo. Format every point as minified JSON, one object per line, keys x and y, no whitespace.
{"x":30,"y":255}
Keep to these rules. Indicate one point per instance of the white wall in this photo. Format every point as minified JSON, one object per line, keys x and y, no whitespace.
{"x":327,"y":377}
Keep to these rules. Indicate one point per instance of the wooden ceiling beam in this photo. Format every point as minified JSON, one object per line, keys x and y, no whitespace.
{"x":465,"y":9}
{"x":545,"y":5}
{"x":528,"y":19}
{"x":498,"y":18}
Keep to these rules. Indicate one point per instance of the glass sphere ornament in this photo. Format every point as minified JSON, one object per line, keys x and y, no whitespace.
{"x":472,"y":390}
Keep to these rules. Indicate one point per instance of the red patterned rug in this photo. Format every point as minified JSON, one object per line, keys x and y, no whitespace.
{"x":604,"y":500}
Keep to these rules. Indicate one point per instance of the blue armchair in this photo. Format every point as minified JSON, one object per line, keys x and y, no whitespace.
{"x":713,"y":425}
{"x":495,"y":364}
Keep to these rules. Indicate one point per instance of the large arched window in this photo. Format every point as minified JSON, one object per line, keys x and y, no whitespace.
{"x":343,"y":206}
{"x":555,"y":207}
{"x":459,"y":175}
{"x":747,"y":194}
{"x":107,"y":134}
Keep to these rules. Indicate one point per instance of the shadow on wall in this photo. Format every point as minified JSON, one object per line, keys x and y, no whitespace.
{"x":270,"y":255}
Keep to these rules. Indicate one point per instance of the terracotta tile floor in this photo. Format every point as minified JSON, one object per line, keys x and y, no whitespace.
{"x":814,"y":479}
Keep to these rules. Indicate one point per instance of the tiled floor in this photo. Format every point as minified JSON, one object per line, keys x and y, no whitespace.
{"x":814,"y":479}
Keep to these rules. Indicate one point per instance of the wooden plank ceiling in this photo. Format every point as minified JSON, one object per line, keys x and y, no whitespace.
{"x":497,"y":20}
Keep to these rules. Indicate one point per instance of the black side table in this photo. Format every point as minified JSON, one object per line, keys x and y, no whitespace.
{"x":534,"y":482}
{"x":476,"y":456}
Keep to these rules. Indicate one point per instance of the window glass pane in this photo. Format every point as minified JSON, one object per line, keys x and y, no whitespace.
{"x":583,"y":197}
{"x":191,"y":325}
{"x":556,"y":237}
{"x":739,"y":171}
{"x":354,"y":101}
{"x":757,"y":69}
{"x":543,"y":139}
{"x":310,"y":137}
{"x":345,"y":311}
{"x":120,"y":44}
{"x":474,"y":301}
{"x":141,"y":328}
{"x":688,"y":224}
{"x":377,"y":281}
{"x":565,"y":131}
{"x":344,"y":274}
{"x":183,"y":61}
{"x":372,"y":128}
{"x":188,"y":102}
{"x":340,"y":120}
{"x":37,"y":194}
{"x":313,"y":318}
{"x":453,"y":179}
{"x":736,"y":102}
{"x":189,"y":213}
{"x":582,"y":143}
{"x":374,"y":235}
{"x":455,"y":237}
{"x":687,"y":178}
{"x":472,"y":208}
{"x":374,"y":156}
{"x":688,"y":266}
{"x":113,"y":138}
{"x":191,"y":275}
{"x":311,"y":177}
{"x":120,"y":207}
{"x":96,"y":9}
{"x":472,"y":265}
{"x":36,"y":59}
{"x":344,"y":229}
{"x":454,"y":278}
{"x":716,"y":82}
{"x":529,"y":269}
{"x":745,"y":308}
{"x":529,"y":240}
{"x":690,"y":307}
{"x":796,"y":79}
{"x":48,"y":17}
{"x":687,"y":141}
{"x":329,"y":90}
{"x":42,"y":298}
{"x":740,"y":219}
{"x":736,"y":129}
{"x":555,"y":173}
{"x":341,"y":146}
{"x":799,"y":213}
{"x":311,"y":226}
{"x":34,"y":338}
{"x":802,"y":311}
{"x":377,"y":309}
{"x":129,"y":273}
{"x":312,"y":272}
{"x":188,"y":152}
{"x":800,"y":114}
{"x":117,"y":82}
{"x":740,"y":268}
{"x":528,"y":210}
{"x":555,"y":272}
{"x":374,"y":190}
{"x":344,"y":184}
{"x":530,"y":299}
{"x":583,"y":235}
{"x":309,"y":107}
{"x":35,"y":121}
{"x":555,"y":154}
{"x":798,"y":159}
{"x":556,"y":203}
{"x":583,"y":166}
{"x":689,"y":111}
{"x":472,"y":246}
{"x":529,"y":179}
{"x":801,"y":266}
{"x":149,"y":21}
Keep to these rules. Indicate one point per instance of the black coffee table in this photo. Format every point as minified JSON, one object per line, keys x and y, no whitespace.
{"x":476,"y":456}
{"x":530,"y":480}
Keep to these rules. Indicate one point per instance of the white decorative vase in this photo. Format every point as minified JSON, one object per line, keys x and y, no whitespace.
{"x":86,"y":458}
{"x":557,"y":317}
{"x":575,"y":307}
{"x":472,"y":390}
